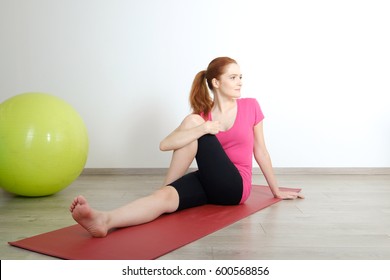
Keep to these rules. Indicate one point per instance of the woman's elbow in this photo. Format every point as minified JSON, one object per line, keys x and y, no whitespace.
{"x":163,"y":146}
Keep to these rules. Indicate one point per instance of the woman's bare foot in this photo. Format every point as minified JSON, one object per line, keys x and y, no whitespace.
{"x":92,"y":220}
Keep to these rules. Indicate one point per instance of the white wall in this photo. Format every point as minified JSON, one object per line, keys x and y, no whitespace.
{"x":320,"y":70}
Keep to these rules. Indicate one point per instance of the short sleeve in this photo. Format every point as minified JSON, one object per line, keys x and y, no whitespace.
{"x":258,"y":114}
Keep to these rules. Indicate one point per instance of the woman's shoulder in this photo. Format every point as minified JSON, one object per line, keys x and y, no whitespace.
{"x":248,"y":101}
{"x":252,"y":108}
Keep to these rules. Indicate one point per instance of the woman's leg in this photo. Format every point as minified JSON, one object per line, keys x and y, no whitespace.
{"x":220,"y":178}
{"x":182,"y":158}
{"x":180,"y":162}
{"x":142,"y":210}
{"x":145,"y":209}
{"x":217,"y":180}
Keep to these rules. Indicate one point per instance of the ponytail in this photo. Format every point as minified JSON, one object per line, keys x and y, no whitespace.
{"x":200,"y":99}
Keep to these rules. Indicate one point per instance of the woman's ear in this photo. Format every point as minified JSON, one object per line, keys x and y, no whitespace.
{"x":215,"y":83}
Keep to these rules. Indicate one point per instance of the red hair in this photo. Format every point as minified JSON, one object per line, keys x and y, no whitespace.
{"x":200,"y":99}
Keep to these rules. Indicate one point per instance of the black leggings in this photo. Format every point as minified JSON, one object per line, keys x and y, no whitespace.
{"x":217,"y":180}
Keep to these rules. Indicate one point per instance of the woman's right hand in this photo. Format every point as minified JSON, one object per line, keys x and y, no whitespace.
{"x":212,"y":127}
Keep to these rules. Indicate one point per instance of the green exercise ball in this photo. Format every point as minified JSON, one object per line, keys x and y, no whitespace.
{"x":43,"y":144}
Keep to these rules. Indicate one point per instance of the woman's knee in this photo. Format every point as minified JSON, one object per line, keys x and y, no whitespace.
{"x":192,"y":120}
{"x":169,"y":198}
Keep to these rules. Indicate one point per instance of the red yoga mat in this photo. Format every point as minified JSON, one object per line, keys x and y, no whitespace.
{"x":147,"y":241}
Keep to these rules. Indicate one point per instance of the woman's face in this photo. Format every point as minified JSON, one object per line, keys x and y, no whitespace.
{"x":229,"y":83}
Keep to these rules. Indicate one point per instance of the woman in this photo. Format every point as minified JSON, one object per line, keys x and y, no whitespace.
{"x":222,"y":134}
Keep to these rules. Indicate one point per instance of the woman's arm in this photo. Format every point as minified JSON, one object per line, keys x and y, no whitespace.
{"x":191,"y":129}
{"x":263,"y":159}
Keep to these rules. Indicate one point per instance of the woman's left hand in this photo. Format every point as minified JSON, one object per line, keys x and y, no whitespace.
{"x":288,"y":195}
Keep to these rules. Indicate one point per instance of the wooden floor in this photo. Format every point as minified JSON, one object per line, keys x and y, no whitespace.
{"x":342,"y":217}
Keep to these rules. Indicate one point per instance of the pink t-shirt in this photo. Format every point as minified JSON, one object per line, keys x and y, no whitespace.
{"x":239,"y":139}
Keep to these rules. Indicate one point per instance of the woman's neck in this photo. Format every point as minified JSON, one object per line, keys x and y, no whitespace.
{"x":223,"y":105}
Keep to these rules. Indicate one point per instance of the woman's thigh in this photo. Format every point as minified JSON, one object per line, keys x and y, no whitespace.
{"x":219,"y":177}
{"x":190,"y":190}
